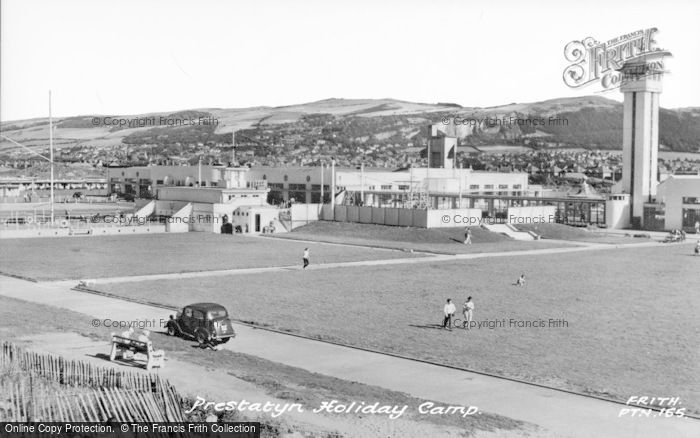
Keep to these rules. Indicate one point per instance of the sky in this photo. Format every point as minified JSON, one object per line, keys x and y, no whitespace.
{"x":134,"y":57}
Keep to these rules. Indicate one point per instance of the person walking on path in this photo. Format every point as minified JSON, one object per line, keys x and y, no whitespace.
{"x":306,"y":257}
{"x":449,"y":313}
{"x":468,"y":236}
{"x":468,"y":312}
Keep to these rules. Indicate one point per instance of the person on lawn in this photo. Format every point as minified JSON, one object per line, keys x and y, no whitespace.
{"x":306,"y":257}
{"x":449,"y":311}
{"x":468,"y":312}
{"x":468,"y":236}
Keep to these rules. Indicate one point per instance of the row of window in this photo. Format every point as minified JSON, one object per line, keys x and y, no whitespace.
{"x":301,"y":187}
{"x":691,"y":200}
{"x":491,"y":186}
{"x":286,"y":178}
{"x":242,"y":196}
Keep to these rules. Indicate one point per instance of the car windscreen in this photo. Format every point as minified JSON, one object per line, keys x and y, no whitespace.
{"x":216,"y":314}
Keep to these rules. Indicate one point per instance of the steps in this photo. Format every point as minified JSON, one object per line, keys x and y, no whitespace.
{"x":510,"y":231}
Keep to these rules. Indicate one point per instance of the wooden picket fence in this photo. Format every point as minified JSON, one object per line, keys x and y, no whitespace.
{"x":43,"y":387}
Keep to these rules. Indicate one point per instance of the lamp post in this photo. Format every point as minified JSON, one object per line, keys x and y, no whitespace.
{"x":333,"y":186}
{"x":362,"y":183}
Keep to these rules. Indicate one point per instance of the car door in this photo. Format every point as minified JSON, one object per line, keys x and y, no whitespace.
{"x":198,"y":320}
{"x":186,"y":321}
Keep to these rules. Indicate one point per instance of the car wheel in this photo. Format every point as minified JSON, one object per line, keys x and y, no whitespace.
{"x":172,"y":331}
{"x":202,"y":339}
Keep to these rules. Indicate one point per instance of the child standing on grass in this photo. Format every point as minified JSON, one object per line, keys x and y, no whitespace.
{"x":306,"y":257}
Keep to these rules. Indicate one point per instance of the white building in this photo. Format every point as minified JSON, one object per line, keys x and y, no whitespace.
{"x":440,"y":188}
{"x":679,"y":197}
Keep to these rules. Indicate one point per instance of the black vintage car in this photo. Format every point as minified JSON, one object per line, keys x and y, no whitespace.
{"x":208,"y":323}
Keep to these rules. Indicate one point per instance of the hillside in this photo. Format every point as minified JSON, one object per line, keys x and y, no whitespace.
{"x":324,"y":126}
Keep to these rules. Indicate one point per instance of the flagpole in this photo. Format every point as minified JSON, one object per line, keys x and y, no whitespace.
{"x":233,"y":148}
{"x":51,"y":157}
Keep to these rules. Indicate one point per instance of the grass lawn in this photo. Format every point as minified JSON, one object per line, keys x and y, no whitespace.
{"x":632,"y":314}
{"x":278,"y":380}
{"x":110,"y":256}
{"x":438,"y":240}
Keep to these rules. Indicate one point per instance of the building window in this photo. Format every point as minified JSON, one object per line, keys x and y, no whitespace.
{"x":517,"y":186}
{"x":300,"y":187}
{"x":371,"y":188}
{"x":503,"y":186}
{"x":691,"y":200}
{"x":308,"y":178}
{"x":474,"y":187}
{"x":386,"y":187}
{"x":159,"y":182}
{"x":403,"y":187}
{"x":264,"y":177}
{"x":488,"y":187}
{"x":286,"y":178}
{"x":277,"y":186}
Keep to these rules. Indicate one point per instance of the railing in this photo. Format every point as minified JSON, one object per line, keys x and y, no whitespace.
{"x":58,"y":199}
{"x":77,"y":224}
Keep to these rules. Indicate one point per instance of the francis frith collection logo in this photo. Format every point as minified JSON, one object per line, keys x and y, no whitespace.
{"x":595,"y":61}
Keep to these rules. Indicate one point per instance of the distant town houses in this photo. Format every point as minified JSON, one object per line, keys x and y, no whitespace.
{"x":543,"y":165}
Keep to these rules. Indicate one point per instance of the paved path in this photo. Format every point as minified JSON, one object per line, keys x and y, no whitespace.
{"x":562,"y":413}
{"x":429,"y":258}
